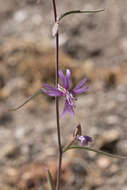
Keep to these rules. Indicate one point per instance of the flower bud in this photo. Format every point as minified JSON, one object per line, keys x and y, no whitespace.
{"x":55,"y":29}
{"x":77,"y":131}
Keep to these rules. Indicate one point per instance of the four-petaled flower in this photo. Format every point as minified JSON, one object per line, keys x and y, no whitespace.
{"x":64,"y":90}
{"x":84,"y":140}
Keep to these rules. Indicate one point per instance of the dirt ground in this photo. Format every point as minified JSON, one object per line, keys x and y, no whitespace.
{"x":92,"y":46}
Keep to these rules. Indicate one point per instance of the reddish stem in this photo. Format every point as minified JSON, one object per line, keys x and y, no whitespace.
{"x":57,"y":105}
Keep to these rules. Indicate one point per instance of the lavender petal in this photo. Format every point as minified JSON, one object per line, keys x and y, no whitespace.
{"x":62,"y":77}
{"x":67,"y":79}
{"x":67,"y":108}
{"x":80,"y":85}
{"x":64,"y":111}
{"x":54,"y":92}
{"x":80,"y":90}
{"x":84,"y":140}
{"x":88,"y":138}
{"x":69,"y":101}
{"x":49,"y":87}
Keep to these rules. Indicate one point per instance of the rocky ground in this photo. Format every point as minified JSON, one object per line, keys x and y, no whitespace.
{"x":93,"y":46}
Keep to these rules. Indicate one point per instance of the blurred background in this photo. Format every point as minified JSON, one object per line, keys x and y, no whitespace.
{"x":92,"y":46}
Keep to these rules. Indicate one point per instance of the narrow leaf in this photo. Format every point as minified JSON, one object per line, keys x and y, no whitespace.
{"x":50,"y":180}
{"x":97,"y":151}
{"x":78,"y":11}
{"x":26,"y":101}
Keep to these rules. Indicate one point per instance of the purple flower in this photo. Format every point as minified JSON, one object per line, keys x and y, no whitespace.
{"x":84,"y":140}
{"x":64,"y":90}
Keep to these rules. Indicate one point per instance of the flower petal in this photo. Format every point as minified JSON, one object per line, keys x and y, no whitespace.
{"x":49,"y":87}
{"x":80,"y":85}
{"x":67,"y":108}
{"x":84,"y":140}
{"x":80,"y":90}
{"x":62,"y":77}
{"x":65,"y":79}
{"x":51,"y":91}
{"x":69,"y":101}
{"x":68,"y":77}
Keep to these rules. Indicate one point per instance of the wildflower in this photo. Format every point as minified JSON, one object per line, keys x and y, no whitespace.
{"x":64,"y":90}
{"x":84,"y":140}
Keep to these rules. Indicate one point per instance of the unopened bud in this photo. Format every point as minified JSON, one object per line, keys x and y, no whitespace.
{"x":77,"y":131}
{"x":55,"y":28}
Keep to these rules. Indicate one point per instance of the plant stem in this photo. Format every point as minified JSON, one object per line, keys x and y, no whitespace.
{"x":57,"y":105}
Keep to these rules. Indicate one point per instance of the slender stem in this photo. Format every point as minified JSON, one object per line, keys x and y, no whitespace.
{"x":57,"y":105}
{"x":69,"y":144}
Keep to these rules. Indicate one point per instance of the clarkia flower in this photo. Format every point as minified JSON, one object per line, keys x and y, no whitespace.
{"x":84,"y":140}
{"x":64,"y":90}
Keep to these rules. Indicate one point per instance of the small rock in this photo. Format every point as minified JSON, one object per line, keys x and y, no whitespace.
{"x":121,"y":97}
{"x":103,"y":162}
{"x":20,"y":16}
{"x":20,"y":132}
{"x":122,"y":147}
{"x":111,"y":135}
{"x":124,"y":188}
{"x":112,"y":119}
{"x":9,"y":150}
{"x":37,"y":19}
{"x":113,"y":169}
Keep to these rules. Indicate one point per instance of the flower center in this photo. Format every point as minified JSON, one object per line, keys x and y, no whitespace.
{"x":61,"y":89}
{"x":68,"y":95}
